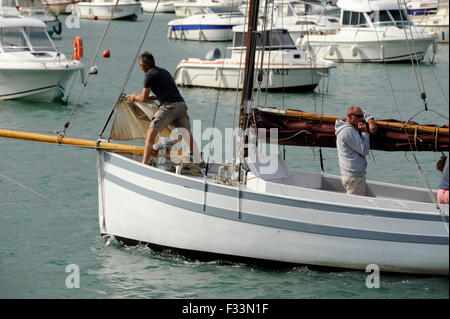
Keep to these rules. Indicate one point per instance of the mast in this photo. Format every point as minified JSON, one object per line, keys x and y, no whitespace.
{"x":247,"y":89}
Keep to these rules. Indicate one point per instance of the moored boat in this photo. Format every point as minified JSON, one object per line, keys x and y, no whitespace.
{"x":102,"y":9}
{"x":209,"y":26}
{"x":436,"y":23}
{"x":284,"y":67}
{"x":31,"y":67}
{"x":32,"y":10}
{"x":371,"y":31}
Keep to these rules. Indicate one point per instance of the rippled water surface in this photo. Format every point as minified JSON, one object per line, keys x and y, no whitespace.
{"x":48,"y":193}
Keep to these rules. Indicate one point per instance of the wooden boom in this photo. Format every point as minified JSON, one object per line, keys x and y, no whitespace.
{"x":113,"y":147}
{"x":330,"y":118}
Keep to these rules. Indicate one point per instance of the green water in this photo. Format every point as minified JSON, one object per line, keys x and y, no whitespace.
{"x":39,"y":237}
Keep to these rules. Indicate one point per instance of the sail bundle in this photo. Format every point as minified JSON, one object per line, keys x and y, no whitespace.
{"x":300,"y":128}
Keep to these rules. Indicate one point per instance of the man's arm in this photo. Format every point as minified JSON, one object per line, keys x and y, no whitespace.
{"x":373,"y":127}
{"x":143,"y":97}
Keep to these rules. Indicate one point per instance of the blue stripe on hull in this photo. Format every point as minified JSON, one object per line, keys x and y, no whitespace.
{"x":276,"y":222}
{"x":292,"y":202}
{"x":200,"y":27}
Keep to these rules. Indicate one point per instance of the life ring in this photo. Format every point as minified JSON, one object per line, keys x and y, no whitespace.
{"x":59,"y":29}
{"x":77,"y":48}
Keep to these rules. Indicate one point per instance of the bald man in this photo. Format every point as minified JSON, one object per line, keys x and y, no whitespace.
{"x":353,"y":145}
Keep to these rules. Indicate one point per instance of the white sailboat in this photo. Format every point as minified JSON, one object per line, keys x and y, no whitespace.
{"x":256,"y":208}
{"x":268,"y":212}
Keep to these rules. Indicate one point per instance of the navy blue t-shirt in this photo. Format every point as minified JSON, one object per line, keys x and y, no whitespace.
{"x":163,"y":86}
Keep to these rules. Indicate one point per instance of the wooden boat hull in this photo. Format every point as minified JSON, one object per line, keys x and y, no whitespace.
{"x":307,"y":224}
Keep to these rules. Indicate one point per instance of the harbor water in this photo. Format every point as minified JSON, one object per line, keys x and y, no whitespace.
{"x":48,"y":193}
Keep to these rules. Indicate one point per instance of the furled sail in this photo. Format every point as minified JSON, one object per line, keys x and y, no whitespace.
{"x":132,"y":121}
{"x":300,"y":128}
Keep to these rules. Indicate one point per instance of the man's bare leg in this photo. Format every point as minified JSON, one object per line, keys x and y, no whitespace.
{"x":148,"y":146}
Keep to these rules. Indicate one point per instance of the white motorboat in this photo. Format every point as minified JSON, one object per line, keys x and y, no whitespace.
{"x":299,"y":19}
{"x":371,"y":31}
{"x":32,"y":10}
{"x":436,"y":23}
{"x":191,"y":7}
{"x":31,"y":66}
{"x":284,"y":67}
{"x":102,"y":9}
{"x":59,"y":6}
{"x":422,"y":7}
{"x":205,"y":27}
{"x":164,"y":6}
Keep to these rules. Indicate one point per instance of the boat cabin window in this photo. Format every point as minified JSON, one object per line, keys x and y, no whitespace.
{"x":39,"y":39}
{"x":354,"y":19}
{"x":12,"y":40}
{"x":397,"y":18}
{"x":272,"y":40}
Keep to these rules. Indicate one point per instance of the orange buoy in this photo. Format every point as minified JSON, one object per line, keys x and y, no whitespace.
{"x":77,"y":48}
{"x":106,"y":54}
{"x":95,"y":18}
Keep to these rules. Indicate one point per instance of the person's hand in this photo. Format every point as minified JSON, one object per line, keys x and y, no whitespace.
{"x":362,"y":127}
{"x":130,"y":98}
{"x":373,"y":127}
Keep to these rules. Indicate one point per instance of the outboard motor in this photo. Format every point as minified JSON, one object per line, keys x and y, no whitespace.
{"x":213,"y":54}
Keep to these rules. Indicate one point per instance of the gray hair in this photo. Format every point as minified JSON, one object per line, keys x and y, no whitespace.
{"x":147,"y":59}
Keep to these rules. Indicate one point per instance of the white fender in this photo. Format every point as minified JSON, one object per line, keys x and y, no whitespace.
{"x":271,"y":78}
{"x":216,"y":73}
{"x":382,"y":52}
{"x":304,"y":45}
{"x":435,"y":46}
{"x":354,"y":49}
{"x":332,"y":50}
{"x":182,"y":76}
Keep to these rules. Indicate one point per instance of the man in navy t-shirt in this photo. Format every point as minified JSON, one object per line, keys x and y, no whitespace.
{"x":172,"y":107}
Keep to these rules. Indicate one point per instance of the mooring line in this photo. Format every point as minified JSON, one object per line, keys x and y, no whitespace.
{"x":64,"y":206}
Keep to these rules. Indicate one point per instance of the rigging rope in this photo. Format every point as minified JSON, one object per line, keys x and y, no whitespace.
{"x":66,"y":125}
{"x":119,"y":98}
{"x":423,"y":96}
{"x":64,"y":206}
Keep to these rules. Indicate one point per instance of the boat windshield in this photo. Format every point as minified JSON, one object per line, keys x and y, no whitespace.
{"x":383,"y":18}
{"x":290,"y":9}
{"x":39,"y":39}
{"x":12,"y":40}
{"x":271,"y":40}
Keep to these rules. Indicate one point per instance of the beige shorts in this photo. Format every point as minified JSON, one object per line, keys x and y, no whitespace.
{"x":175,"y":113}
{"x":354,"y":185}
